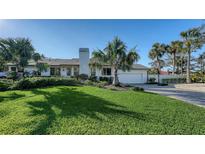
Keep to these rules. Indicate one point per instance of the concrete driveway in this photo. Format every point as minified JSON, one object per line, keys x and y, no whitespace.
{"x":191,"y":93}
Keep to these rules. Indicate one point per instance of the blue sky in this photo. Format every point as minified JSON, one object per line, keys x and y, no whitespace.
{"x":63,"y":38}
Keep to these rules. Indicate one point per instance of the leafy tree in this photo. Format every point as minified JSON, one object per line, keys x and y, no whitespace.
{"x":156,"y":53}
{"x":42,"y":67}
{"x":193,"y":39}
{"x":117,"y":56}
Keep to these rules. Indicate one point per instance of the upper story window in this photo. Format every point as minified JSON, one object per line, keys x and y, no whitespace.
{"x":106,"y":71}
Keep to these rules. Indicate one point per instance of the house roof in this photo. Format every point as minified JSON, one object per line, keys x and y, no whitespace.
{"x":139,"y":66}
{"x":74,"y":61}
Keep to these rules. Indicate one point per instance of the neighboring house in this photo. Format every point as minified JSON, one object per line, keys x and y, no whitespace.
{"x":76,"y":66}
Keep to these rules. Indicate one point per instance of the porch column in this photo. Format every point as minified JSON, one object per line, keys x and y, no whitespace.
{"x":72,"y":71}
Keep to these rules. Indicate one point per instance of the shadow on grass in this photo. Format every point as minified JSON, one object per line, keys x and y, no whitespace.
{"x":11,"y":96}
{"x":71,"y":103}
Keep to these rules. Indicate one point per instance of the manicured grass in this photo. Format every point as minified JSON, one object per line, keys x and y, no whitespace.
{"x":91,"y":110}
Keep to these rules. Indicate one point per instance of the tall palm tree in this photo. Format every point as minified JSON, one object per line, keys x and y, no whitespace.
{"x":117,"y":56}
{"x":156,"y":53}
{"x":193,"y":39}
{"x":174,"y":48}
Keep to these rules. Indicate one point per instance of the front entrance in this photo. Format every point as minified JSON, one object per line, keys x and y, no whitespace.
{"x":55,"y":71}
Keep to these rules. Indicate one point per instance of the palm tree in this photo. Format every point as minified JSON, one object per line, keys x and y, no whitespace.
{"x":201,"y":61}
{"x":18,"y":51}
{"x":117,"y":56}
{"x":156,"y":53}
{"x":174,"y":48}
{"x":193,"y":39}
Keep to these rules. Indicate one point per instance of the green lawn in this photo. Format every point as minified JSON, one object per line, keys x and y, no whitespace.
{"x":91,"y":110}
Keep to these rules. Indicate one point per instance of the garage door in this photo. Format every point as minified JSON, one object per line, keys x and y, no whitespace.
{"x":131,"y":78}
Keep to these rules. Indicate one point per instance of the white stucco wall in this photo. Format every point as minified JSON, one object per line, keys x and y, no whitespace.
{"x":63,"y":71}
{"x":132,"y":76}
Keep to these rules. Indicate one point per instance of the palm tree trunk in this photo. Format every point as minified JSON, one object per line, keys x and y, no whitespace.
{"x":115,"y":81}
{"x":174,"y":61}
{"x":158,"y":71}
{"x":182,"y":66}
{"x":188,"y":67}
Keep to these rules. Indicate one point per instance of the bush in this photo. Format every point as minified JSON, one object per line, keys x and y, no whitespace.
{"x":162,"y":84}
{"x":38,"y":82}
{"x":12,"y":75}
{"x":101,"y":84}
{"x":152,"y":80}
{"x":4,"y":86}
{"x":173,"y":80}
{"x":89,"y":83}
{"x":108,"y":79}
{"x":93,"y":78}
{"x":137,"y":89}
{"x":82,"y":77}
{"x":197,"y":77}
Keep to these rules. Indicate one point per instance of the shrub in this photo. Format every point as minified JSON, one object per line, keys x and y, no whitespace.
{"x":89,"y":82}
{"x":137,"y":89}
{"x":82,"y":77}
{"x":12,"y":75}
{"x":93,"y":78}
{"x":173,"y":80}
{"x":152,"y":80}
{"x":4,"y":86}
{"x":108,"y":79}
{"x":162,"y":84}
{"x":101,"y":84}
{"x":197,"y":77}
{"x":38,"y":82}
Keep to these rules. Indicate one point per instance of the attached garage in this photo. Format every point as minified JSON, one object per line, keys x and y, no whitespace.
{"x":138,"y":74}
{"x":131,"y":78}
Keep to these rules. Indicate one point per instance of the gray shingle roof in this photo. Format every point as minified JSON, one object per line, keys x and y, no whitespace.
{"x":139,"y":66}
{"x":74,"y":61}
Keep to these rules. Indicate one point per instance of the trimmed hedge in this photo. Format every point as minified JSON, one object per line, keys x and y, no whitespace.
{"x":174,"y":80}
{"x":137,"y":89}
{"x":38,"y":82}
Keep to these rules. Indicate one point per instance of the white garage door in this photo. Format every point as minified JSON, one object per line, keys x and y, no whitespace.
{"x":131,"y":78}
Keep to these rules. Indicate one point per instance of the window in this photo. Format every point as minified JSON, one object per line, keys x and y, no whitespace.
{"x":93,"y":72}
{"x":76,"y":71}
{"x":13,"y":69}
{"x":55,"y":71}
{"x":106,"y":71}
{"x":52,"y":71}
{"x":68,"y":71}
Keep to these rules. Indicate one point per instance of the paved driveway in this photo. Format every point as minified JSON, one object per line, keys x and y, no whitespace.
{"x":191,"y":93}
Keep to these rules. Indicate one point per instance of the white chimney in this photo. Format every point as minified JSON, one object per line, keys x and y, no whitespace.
{"x":84,"y":60}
